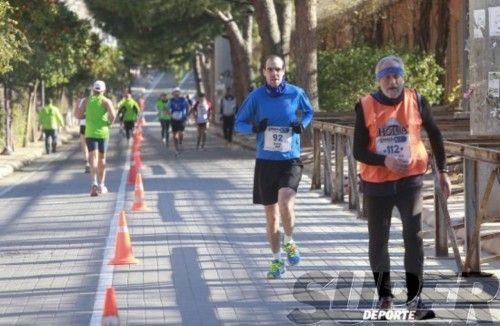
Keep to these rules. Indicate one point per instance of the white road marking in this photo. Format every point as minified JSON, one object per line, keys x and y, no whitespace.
{"x":106,"y":274}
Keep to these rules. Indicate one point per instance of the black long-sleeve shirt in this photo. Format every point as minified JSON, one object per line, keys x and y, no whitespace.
{"x":364,"y":155}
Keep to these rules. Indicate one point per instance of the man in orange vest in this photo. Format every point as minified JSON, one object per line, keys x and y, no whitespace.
{"x":393,"y":161}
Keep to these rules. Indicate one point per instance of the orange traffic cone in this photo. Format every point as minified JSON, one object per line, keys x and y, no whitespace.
{"x":132,"y":173}
{"x":137,"y":141}
{"x":137,"y":160}
{"x":110,"y":313}
{"x":138,"y":136}
{"x":138,"y":195}
{"x":123,"y":245}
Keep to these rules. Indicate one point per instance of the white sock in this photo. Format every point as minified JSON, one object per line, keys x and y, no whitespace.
{"x":287,"y":239}
{"x":277,"y":256}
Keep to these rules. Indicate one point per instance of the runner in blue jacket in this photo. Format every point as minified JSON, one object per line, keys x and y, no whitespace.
{"x":270,"y":111}
{"x":179,"y":107}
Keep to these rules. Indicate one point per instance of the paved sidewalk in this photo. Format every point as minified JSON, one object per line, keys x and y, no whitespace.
{"x":23,"y":156}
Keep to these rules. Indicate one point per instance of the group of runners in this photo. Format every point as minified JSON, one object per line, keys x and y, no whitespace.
{"x":97,"y":113}
{"x":387,"y":144}
{"x":177,"y":110}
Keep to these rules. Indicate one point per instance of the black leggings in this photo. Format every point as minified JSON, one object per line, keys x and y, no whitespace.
{"x":129,"y":128}
{"x":227,"y":127}
{"x":52,"y":134}
{"x":165,"y":128}
{"x":379,"y":210}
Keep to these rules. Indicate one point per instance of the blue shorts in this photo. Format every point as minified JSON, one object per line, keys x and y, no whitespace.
{"x":100,"y":144}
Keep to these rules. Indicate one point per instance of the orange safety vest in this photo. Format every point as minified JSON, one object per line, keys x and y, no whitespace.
{"x":387,"y":125}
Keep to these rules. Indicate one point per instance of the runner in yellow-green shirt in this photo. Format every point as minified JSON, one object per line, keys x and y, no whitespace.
{"x":100,"y":115}
{"x":50,"y":119}
{"x":128,"y":110}
{"x":164,"y":117}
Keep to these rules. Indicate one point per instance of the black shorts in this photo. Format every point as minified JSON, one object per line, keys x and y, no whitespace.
{"x":202,"y":125}
{"x":270,"y":176}
{"x":177,"y":125}
{"x":82,"y":130}
{"x":100,"y":144}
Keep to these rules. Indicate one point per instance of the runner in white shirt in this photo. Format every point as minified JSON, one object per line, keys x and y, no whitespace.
{"x":202,"y":111}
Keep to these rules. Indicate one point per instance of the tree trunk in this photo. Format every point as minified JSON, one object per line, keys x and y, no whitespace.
{"x":9,"y":146}
{"x":34,"y":121}
{"x":198,"y":78}
{"x":269,"y":31}
{"x":284,"y":10}
{"x":27,"y":127}
{"x":306,"y":55}
{"x":444,"y":27}
{"x":207,"y":69}
{"x":247,"y":53}
{"x":241,"y":52}
{"x":424,"y":22}
{"x":236,"y":61}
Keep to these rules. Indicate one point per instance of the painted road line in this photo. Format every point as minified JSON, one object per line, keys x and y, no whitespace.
{"x":106,"y":273}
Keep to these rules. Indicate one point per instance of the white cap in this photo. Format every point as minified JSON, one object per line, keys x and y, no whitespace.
{"x":176,"y":89}
{"x":99,"y":86}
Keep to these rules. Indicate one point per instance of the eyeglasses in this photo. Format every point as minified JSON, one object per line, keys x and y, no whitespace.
{"x":271,"y":69}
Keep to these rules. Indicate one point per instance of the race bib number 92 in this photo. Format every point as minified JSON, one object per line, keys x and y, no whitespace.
{"x":278,"y":139}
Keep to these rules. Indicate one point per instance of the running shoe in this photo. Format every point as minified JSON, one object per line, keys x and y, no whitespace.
{"x":385,"y":304}
{"x":102,"y":189}
{"x":292,"y":253}
{"x":87,"y":168}
{"x":93,"y":191}
{"x":277,"y":269}
{"x":421,"y":311}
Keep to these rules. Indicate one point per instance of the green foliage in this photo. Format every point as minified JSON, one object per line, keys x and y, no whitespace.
{"x":454,"y":95}
{"x":18,"y":119}
{"x":154,"y":32}
{"x":18,"y":123}
{"x":108,"y":65}
{"x":58,"y":39}
{"x":13,"y":44}
{"x":348,"y":74}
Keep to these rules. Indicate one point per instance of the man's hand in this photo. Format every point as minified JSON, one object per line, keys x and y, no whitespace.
{"x":296,"y":127}
{"x":261,"y":127}
{"x":396,"y":165}
{"x":445,"y":184}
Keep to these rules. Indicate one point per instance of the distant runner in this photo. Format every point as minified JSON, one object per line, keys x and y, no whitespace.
{"x":202,"y":111}
{"x":51,"y":119}
{"x":179,"y":107}
{"x":129,"y":110}
{"x":164,"y":117}
{"x":228,"y":110}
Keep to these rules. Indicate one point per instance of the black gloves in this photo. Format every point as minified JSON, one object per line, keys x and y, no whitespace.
{"x":262,"y":126}
{"x":296,"y":127}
